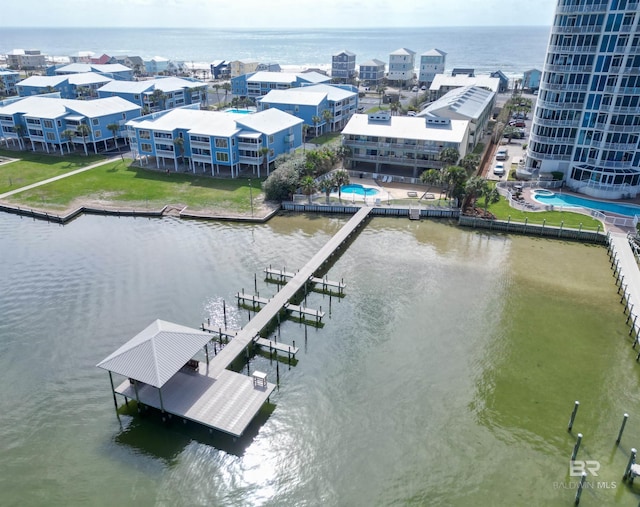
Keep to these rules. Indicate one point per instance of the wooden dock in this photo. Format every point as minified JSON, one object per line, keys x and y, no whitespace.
{"x":282,"y":347}
{"x":301,"y":310}
{"x":251,"y":298}
{"x":625,"y":269}
{"x":262,"y":318}
{"x":281,"y":275}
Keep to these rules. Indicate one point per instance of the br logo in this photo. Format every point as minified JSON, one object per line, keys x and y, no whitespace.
{"x":578,"y":467}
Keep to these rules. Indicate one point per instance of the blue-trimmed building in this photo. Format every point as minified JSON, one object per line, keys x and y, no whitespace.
{"x":372,"y":72}
{"x":176,"y":92}
{"x":307,"y":102}
{"x":112,"y":70}
{"x":213,"y":142}
{"x":73,"y":86}
{"x":343,"y":66}
{"x":258,"y":84}
{"x":45,"y":121}
{"x":9,"y":79}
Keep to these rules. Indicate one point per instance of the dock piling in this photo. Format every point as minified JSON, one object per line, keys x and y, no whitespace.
{"x":624,"y":421}
{"x":632,"y":460}
{"x":580,"y":486}
{"x":573,"y":415}
{"x":576,"y":447}
{"x":224,"y":313}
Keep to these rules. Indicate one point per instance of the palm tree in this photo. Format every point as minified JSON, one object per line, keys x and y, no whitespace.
{"x":305,"y":131}
{"x":178,"y":142}
{"x":316,"y":120}
{"x":394,"y":106}
{"x":454,"y":177}
{"x":83,"y":131}
{"x":227,"y":88}
{"x":326,"y":116}
{"x":449,"y":156}
{"x":158,"y":97}
{"x":491,"y":196}
{"x":264,"y":151}
{"x":20,"y":130}
{"x":381,"y":89}
{"x":309,"y":186}
{"x":216,"y":87}
{"x":326,"y":185}
{"x":473,"y":188}
{"x":114,"y":128}
{"x":67,"y":134}
{"x":470,"y":162}
{"x":340,"y":178}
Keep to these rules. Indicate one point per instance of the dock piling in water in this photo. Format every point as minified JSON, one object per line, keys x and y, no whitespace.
{"x":624,"y":422}
{"x":576,"y":447}
{"x":580,"y":486}
{"x":573,"y":415}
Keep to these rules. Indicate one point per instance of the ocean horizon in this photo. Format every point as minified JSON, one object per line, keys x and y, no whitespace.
{"x":512,"y":50}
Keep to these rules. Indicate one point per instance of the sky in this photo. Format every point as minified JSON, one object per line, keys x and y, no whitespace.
{"x":275,"y":13}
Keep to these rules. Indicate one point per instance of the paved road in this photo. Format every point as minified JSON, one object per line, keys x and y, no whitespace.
{"x":56,"y":178}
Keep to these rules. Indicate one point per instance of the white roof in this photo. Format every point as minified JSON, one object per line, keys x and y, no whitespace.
{"x":403,"y":52}
{"x":4,"y":72}
{"x":314,"y":77}
{"x":270,"y":121}
{"x":51,"y":107}
{"x":468,"y":102}
{"x":372,"y":63}
{"x":127,"y":86}
{"x":434,"y":52}
{"x":87,"y":78}
{"x":208,"y":123}
{"x":344,"y":52}
{"x":440,"y":80}
{"x":88,"y":67}
{"x":155,"y":354}
{"x":42,"y":81}
{"x":170,"y":84}
{"x":264,"y":76}
{"x":334,"y":93}
{"x":294,"y":96}
{"x":407,"y":127}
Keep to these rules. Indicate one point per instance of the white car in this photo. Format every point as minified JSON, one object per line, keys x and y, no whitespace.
{"x":498,"y":170}
{"x":502,"y":154}
{"x":414,"y":89}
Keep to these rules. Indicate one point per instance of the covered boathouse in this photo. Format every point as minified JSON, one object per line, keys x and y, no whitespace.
{"x":161,"y":373}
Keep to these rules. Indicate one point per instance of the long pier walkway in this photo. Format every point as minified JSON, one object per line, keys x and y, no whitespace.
{"x":261,"y":319}
{"x":626,"y":270}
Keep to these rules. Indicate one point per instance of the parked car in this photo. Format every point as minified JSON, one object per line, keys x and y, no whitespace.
{"x":498,"y":170}
{"x":411,"y":113}
{"x":502,"y":154}
{"x":517,"y":123}
{"x":414,"y":89}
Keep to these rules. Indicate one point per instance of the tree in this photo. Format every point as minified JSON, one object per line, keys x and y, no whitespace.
{"x":316,"y":120}
{"x":216,"y":87}
{"x":449,"y":156}
{"x":381,"y":89}
{"x":264,"y":151}
{"x":114,"y":128}
{"x":309,"y":186}
{"x":178,"y":142}
{"x":473,"y":188}
{"x":83,"y":131}
{"x":510,"y":132}
{"x":454,"y":178}
{"x":305,"y":131}
{"x":68,"y":134}
{"x":227,"y":88}
{"x":157,"y":98}
{"x":326,"y":116}
{"x":340,"y":178}
{"x":326,"y":185}
{"x":394,"y":106}
{"x":490,"y":194}
{"x":281,"y":183}
{"x":470,"y":162}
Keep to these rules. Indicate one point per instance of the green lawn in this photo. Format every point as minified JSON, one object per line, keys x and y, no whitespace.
{"x":132,"y":186}
{"x":33,"y":167}
{"x":503,"y":211}
{"x":325,"y":138}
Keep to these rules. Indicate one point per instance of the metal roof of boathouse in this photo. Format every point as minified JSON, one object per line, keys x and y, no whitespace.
{"x":157,"y":353}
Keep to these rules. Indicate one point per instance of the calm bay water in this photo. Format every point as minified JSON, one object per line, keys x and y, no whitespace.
{"x":510,"y":49}
{"x":445,"y":377}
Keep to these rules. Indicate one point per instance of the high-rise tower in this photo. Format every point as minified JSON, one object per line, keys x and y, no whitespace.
{"x":587,"y":117}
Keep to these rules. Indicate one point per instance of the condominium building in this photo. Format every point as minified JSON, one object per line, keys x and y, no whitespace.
{"x":586,"y":123}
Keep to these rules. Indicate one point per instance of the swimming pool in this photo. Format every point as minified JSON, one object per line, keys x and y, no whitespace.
{"x":572,"y":201}
{"x":239,"y":111}
{"x":359,"y":190}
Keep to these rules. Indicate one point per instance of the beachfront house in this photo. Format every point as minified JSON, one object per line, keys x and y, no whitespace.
{"x":241,"y":67}
{"x":343,"y":66}
{"x":82,"y":86}
{"x":260,"y":83}
{"x":220,"y":69}
{"x":443,"y":84}
{"x":372,"y":72}
{"x":401,"y":145}
{"x":470,"y":103}
{"x":81,"y":57}
{"x":401,"y":66}
{"x":26,"y":59}
{"x":432,"y":62}
{"x":156,"y":65}
{"x":504,"y":80}
{"x":52,"y":124}
{"x":8,"y":80}
{"x":213,"y":142}
{"x":531,"y":79}
{"x":159,"y":93}
{"x":112,"y":70}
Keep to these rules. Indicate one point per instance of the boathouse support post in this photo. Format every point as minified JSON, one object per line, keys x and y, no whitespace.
{"x":161,"y":402}
{"x":576,"y":447}
{"x":632,"y":460}
{"x":113,"y":392}
{"x":580,"y":486}
{"x":576,"y":405}
{"x":624,"y":422}
{"x":206,"y":353}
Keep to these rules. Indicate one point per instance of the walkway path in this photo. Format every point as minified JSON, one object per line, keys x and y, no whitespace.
{"x":56,"y":178}
{"x":628,"y":268}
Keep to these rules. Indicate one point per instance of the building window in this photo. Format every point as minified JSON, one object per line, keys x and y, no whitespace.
{"x":222,"y":157}
{"x":51,"y":136}
{"x":48,"y":124}
{"x":59,"y":122}
{"x":145,"y":134}
{"x":146,"y":147}
{"x":98,"y":134}
{"x":95,"y":121}
{"x":222,"y":143}
{"x":270,"y":139}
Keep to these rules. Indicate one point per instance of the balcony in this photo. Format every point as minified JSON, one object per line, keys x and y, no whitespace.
{"x":165,"y":153}
{"x":565,"y":87}
{"x":577,"y":29}
{"x":550,"y":139}
{"x":571,"y":9}
{"x":200,"y":144}
{"x":567,"y":67}
{"x":250,"y":160}
{"x":620,"y":128}
{"x":572,"y":49}
{"x":614,"y":146}
{"x":249,"y":146}
{"x":201,"y":158}
{"x":560,"y":105}
{"x":557,"y":123}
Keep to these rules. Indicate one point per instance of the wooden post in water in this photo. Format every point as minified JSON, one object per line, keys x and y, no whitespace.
{"x":576,"y":447}
{"x":224,"y":312}
{"x":632,"y":460}
{"x":580,"y":486}
{"x":624,"y":421}
{"x":255,"y":282}
{"x":576,"y":405}
{"x":206,"y":353}
{"x":113,"y":392}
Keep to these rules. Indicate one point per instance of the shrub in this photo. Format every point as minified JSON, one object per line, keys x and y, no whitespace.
{"x":557,"y":175}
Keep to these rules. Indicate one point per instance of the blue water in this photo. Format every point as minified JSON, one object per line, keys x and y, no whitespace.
{"x":239,"y":111}
{"x":486,"y":49}
{"x":574,"y":201}
{"x":359,"y":190}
